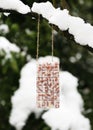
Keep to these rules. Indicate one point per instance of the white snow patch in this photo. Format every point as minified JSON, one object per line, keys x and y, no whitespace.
{"x":24,"y":99}
{"x":4,"y":28}
{"x":44,"y":8}
{"x":82,"y":32}
{"x":17,"y":5}
{"x":60,"y":18}
{"x":7,"y":46}
{"x":6,"y":14}
{"x":68,"y":116}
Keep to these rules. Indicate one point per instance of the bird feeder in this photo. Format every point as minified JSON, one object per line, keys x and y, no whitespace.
{"x":47,"y":79}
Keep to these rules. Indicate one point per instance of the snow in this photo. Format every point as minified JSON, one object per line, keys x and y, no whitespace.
{"x":60,"y":18}
{"x":82,"y":32}
{"x":64,"y":118}
{"x":4,"y":28}
{"x":68,"y":116}
{"x":7,"y":46}
{"x":23,"y":100}
{"x":15,"y":5}
{"x":6,"y":14}
{"x":69,"y":84}
{"x":46,"y":11}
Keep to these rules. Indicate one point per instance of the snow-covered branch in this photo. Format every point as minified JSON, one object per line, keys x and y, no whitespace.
{"x":7,"y":46}
{"x":15,"y":5}
{"x":76,"y":26}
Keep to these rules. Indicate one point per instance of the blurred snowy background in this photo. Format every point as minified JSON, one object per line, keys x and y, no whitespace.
{"x":18,"y":72}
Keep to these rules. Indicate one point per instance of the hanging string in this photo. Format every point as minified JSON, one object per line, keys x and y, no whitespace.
{"x":52,"y":43}
{"x":54,"y":4}
{"x":38,"y":36}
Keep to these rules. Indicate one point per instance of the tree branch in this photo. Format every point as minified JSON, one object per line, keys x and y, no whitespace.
{"x":7,"y":11}
{"x":64,"y":4}
{"x":69,"y":36}
{"x":65,"y":33}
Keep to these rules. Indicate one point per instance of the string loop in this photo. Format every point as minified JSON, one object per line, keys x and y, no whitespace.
{"x":52,"y":47}
{"x":38,"y":36}
{"x":38,"y":39}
